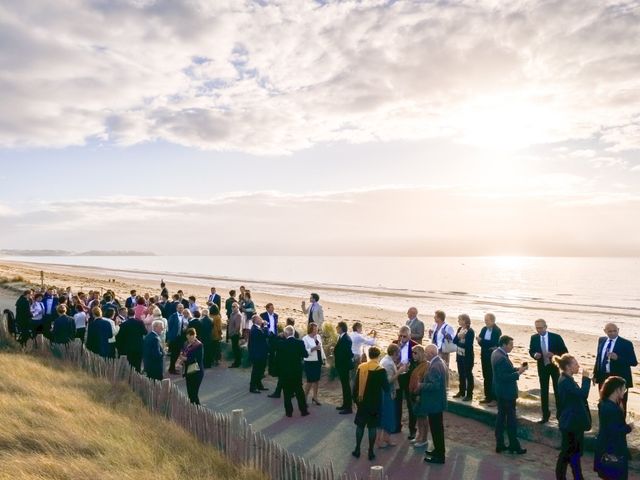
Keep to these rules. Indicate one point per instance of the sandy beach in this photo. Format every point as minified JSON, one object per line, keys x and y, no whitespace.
{"x":385,"y":321}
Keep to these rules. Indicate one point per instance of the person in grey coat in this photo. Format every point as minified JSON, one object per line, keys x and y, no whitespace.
{"x":153,"y":352}
{"x":433,"y":402}
{"x":505,"y":386}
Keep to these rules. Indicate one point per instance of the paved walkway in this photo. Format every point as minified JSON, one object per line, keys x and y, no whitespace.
{"x":324,"y":436}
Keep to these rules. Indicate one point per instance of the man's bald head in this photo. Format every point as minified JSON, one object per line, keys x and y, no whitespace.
{"x":431,"y":351}
{"x":611,"y":330}
{"x":412,"y":313}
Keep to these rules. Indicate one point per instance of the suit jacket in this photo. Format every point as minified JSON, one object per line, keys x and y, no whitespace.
{"x":620,"y":367}
{"x":169,"y":309}
{"x":505,"y":376}
{"x":174,"y":327}
{"x":215,"y":300}
{"x":412,"y":344}
{"x":556,"y":346}
{"x":64,"y":329}
{"x":130,"y":338}
{"x":613,"y":430}
{"x":342,"y":353}
{"x":196,"y":324}
{"x":98,"y":334}
{"x":316,"y":315}
{"x":265,"y":317}
{"x":228,"y":305}
{"x":574,"y":410}
{"x":417,"y":329}
{"x":23,"y":312}
{"x":467,"y":344}
{"x":290,"y":354}
{"x":153,"y":356}
{"x":258,"y":347}
{"x":130,"y":302}
{"x":488,"y":346}
{"x":433,"y":395}
{"x":234,"y":325}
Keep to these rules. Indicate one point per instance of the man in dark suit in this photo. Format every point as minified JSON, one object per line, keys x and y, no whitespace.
{"x":258,"y":354}
{"x":405,"y":344}
{"x":196,"y":324}
{"x":270,"y":318}
{"x":279,"y":339}
{"x":343,"y":357}
{"x":130,"y":339}
{"x":176,"y":328}
{"x":130,"y":302}
{"x":542,"y":347}
{"x":615,"y":357}
{"x":214,"y":298}
{"x":505,"y":385}
{"x":153,"y":353}
{"x":171,"y":307}
{"x":64,"y":327}
{"x":488,"y":341}
{"x":23,"y":317}
{"x":434,"y":388}
{"x":289,"y":357}
{"x":99,"y":332}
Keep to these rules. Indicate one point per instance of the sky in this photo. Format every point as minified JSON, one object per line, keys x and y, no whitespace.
{"x":462,"y":127}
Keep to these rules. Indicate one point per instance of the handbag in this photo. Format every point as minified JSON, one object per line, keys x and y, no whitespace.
{"x":193,"y":368}
{"x":448,"y":346}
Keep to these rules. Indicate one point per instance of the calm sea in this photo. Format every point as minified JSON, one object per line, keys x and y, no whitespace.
{"x":571,"y":293}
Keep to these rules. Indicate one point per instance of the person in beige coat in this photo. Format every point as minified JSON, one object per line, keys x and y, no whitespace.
{"x":314,"y":311}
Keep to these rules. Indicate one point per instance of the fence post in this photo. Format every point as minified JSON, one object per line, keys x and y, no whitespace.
{"x":236,"y":432}
{"x":376,"y":473}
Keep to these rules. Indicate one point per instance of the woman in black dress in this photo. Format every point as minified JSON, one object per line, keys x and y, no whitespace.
{"x":611,"y":458}
{"x":192,"y":361}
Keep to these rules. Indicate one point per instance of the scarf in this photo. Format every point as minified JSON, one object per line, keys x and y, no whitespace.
{"x":417,"y":376}
{"x":363,"y":375}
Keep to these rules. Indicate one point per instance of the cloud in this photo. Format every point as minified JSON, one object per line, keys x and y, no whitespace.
{"x":274,"y":77}
{"x":391,"y":220}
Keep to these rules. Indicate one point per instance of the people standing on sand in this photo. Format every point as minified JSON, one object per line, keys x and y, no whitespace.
{"x":131,"y":301}
{"x":420,"y":368}
{"x":153,"y":352}
{"x":433,"y":399}
{"x":313,"y":362}
{"x":182,"y":300}
{"x":544,"y":345}
{"x":464,"y":357}
{"x":130,"y":339}
{"x":615,"y":356}
{"x":440,"y":333}
{"x":234,"y":330}
{"x":140,"y":310}
{"x":505,"y":384}
{"x":248,"y":308}
{"x":343,"y":358}
{"x":574,"y":417}
{"x":488,"y":340}
{"x":388,"y":406}
{"x":359,"y":342}
{"x":193,"y":305}
{"x":191,"y":361}
{"x":290,"y":355}
{"x":415,"y":325}
{"x":258,"y":354}
{"x":214,"y":298}
{"x":314,"y":312}
{"x":611,"y":456}
{"x":176,"y":328}
{"x":370,"y":383}
{"x":64,"y":327}
{"x":405,"y":345}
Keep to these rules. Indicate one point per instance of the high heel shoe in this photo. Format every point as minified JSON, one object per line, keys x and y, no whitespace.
{"x":315,"y":402}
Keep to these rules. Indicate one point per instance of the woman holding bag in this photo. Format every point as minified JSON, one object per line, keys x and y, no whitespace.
{"x":192,"y":361}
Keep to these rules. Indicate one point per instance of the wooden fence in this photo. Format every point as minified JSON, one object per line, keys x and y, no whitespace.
{"x":230,"y":434}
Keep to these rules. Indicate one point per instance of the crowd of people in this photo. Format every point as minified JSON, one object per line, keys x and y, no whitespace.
{"x":413,"y":376}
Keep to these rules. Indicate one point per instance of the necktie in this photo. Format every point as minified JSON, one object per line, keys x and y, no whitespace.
{"x":605,"y":350}
{"x":311,"y":313}
{"x":544,"y":349}
{"x":435,"y":335}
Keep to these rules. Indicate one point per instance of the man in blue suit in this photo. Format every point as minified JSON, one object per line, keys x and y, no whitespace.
{"x":153,"y":353}
{"x":270,"y":319}
{"x":214,"y":298}
{"x":98,"y":334}
{"x":258,"y":354}
{"x":615,"y":357}
{"x":344,"y":363}
{"x":64,"y":327}
{"x":176,"y":328}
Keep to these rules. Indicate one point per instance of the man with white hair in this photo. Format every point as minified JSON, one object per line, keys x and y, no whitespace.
{"x":258,"y":353}
{"x":289,"y":358}
{"x":153,"y":353}
{"x":415,"y":325}
{"x":433,"y":393}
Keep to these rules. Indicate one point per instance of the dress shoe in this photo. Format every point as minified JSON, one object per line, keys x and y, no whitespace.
{"x":437,"y":460}
{"x":412,"y":436}
{"x":273,"y":395}
{"x":371,"y":455}
{"x":458,"y":395}
{"x":263,"y":388}
{"x":356,"y":453}
{"x":519,"y":451}
{"x":315,"y":402}
{"x":341,"y":407}
{"x":254,"y":391}
{"x":468,"y":398}
{"x":500,"y":448}
{"x":345,"y":411}
{"x":543,"y":420}
{"x":485,"y":400}
{"x":304,"y":414}
{"x":289,"y":414}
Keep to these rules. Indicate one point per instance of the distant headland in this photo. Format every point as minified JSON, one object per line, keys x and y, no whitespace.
{"x":65,"y":253}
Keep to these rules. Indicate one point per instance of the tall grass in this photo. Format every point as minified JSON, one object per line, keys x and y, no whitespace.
{"x":57,"y":422}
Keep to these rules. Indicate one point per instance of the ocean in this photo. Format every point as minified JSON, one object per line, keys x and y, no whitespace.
{"x":580,"y":294}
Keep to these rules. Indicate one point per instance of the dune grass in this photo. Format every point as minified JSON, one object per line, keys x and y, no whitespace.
{"x":56,"y":422}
